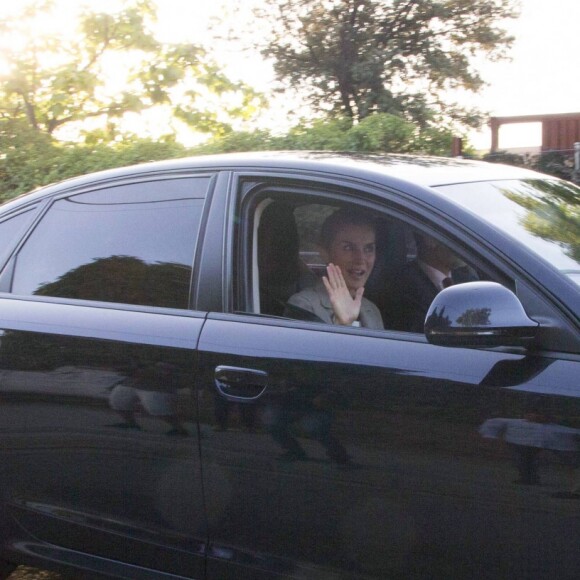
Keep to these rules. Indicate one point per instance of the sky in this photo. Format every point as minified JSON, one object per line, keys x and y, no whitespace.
{"x":543,"y":75}
{"x":540,"y":77}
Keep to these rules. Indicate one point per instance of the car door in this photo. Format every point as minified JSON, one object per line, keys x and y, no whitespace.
{"x":342,"y":452}
{"x":100,"y":460}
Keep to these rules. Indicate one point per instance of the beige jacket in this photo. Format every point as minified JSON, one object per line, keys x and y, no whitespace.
{"x":316,"y":300}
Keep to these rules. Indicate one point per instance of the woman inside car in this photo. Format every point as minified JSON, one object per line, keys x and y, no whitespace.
{"x":347,"y":239}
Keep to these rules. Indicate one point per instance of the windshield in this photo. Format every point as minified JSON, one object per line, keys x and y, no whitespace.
{"x":542,"y":214}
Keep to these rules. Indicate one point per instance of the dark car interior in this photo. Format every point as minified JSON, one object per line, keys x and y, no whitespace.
{"x":288,"y":259}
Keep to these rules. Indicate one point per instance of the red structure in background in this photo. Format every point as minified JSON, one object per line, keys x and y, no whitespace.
{"x":559,"y":131}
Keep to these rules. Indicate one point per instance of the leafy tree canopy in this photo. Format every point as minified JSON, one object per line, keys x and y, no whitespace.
{"x":359,"y":57}
{"x":111,"y":65}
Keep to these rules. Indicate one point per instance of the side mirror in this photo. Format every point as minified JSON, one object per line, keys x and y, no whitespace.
{"x":479,"y":314}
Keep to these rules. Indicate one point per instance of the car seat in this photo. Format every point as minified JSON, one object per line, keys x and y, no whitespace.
{"x":281,"y":271}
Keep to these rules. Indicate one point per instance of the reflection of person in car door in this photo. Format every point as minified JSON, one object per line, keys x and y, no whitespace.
{"x":348,"y":243}
{"x":310,"y":411}
{"x":152,"y":387}
{"x":527,"y":437}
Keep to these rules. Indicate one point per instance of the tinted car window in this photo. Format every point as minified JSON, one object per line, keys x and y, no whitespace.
{"x":132,"y":244}
{"x":542,"y":214}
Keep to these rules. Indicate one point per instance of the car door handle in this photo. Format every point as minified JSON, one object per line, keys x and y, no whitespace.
{"x":238,"y":384}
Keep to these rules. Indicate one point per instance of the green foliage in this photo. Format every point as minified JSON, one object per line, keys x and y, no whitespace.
{"x":56,"y":80}
{"x":26,"y":157}
{"x":381,"y":132}
{"x":82,"y":159}
{"x":435,"y":141}
{"x":347,"y":54}
{"x":30,"y":159}
{"x":33,"y":159}
{"x":237,"y":141}
{"x":321,"y":134}
{"x":505,"y":157}
{"x":359,"y":57}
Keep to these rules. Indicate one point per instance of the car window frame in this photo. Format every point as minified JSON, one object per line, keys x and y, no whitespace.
{"x":7,"y":252}
{"x":252,"y":189}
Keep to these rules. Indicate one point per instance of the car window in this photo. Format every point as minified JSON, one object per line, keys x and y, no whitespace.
{"x":542,"y":214}
{"x":130,"y":244}
{"x":399,"y":285}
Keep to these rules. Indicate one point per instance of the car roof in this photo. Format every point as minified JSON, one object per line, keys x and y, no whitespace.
{"x":420,"y":170}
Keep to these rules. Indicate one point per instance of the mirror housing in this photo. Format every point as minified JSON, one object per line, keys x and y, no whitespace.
{"x":479,"y":314}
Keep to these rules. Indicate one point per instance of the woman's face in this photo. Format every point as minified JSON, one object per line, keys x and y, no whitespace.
{"x":353,"y":251}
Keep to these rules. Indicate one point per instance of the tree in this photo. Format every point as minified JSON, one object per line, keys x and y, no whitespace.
{"x":359,"y":57}
{"x":58,"y":79}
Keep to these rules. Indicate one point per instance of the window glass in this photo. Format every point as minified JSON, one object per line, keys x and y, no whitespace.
{"x":543,"y":214}
{"x":131,"y":244}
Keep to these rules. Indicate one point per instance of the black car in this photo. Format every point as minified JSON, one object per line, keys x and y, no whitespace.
{"x":165,"y":414}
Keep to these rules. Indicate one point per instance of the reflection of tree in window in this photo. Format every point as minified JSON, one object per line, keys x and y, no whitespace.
{"x":474,"y":317}
{"x":124,"y":279}
{"x":553,"y":213}
{"x":156,"y":223}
